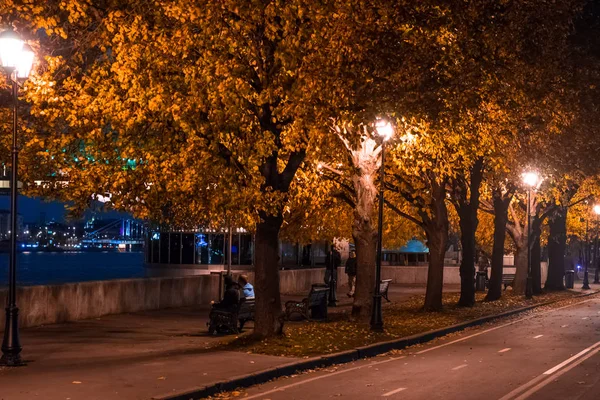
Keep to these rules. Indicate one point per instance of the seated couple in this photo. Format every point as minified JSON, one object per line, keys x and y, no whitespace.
{"x":232,"y":292}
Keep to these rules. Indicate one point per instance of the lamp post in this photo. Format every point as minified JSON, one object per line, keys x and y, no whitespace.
{"x":17,"y":59}
{"x":587,"y":256}
{"x":596,"y":210}
{"x":385,"y":130}
{"x":531,"y":180}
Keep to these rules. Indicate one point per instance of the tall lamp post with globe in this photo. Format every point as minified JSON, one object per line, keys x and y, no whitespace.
{"x":531,"y":180}
{"x":16,"y":59}
{"x":385,"y":130}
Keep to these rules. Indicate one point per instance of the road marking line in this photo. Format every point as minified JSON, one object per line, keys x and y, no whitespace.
{"x":393,"y":392}
{"x":459,"y":367}
{"x":562,"y":364}
{"x":504,"y":350}
{"x":282,"y":388}
{"x":548,"y":376}
{"x":316,"y":378}
{"x":501,"y":326}
{"x":553,"y":378}
{"x":538,"y":336}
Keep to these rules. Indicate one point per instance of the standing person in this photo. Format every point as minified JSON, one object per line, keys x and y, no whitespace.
{"x":351,"y":272}
{"x":332,"y":262}
{"x":247,"y":288}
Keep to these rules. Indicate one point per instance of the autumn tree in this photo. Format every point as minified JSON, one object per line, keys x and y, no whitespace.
{"x":221,"y":121}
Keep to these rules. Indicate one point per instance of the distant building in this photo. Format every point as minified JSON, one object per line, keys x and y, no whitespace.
{"x":5,"y":225}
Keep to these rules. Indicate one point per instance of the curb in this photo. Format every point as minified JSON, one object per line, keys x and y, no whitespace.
{"x":371,"y":350}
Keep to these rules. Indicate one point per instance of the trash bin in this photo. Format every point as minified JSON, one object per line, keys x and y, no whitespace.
{"x":480,"y":281}
{"x":569,"y":278}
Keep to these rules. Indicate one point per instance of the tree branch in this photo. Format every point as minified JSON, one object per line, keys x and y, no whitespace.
{"x":404,"y":215}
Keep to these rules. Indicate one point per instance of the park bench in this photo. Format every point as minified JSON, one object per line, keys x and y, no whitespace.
{"x":231,"y":320}
{"x":384,"y":286}
{"x":508,"y":280}
{"x":246,"y":312}
{"x":316,"y":303}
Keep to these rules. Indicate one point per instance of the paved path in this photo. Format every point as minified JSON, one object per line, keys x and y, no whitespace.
{"x":134,"y":356}
{"x":529,"y":357}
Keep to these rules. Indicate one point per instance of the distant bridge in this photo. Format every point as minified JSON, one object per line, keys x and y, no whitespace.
{"x":116,"y":232}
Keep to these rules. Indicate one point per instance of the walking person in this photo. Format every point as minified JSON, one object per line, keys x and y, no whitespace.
{"x":351,"y":272}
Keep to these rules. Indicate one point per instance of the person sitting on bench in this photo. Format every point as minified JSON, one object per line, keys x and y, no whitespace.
{"x":231,"y":298}
{"x":247,"y":288}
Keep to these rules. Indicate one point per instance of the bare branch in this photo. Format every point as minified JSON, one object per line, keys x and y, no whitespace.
{"x":403,"y":214}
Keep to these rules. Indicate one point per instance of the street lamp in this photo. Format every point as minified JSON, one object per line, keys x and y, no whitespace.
{"x":596,"y":210}
{"x":531,"y":180}
{"x":385,"y":130}
{"x":17,"y":59}
{"x":588,"y":252}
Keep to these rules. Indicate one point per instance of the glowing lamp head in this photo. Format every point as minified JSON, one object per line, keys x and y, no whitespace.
{"x":531,"y":179}
{"x":11,"y":46}
{"x":384,"y":129}
{"x":25,"y":62}
{"x":597,"y":209}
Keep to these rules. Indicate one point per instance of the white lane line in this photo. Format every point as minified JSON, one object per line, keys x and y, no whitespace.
{"x":504,"y":350}
{"x":459,"y":367}
{"x":576,"y":356}
{"x":282,"y":388}
{"x":316,"y":378}
{"x":538,"y":336}
{"x":501,"y":326}
{"x":393,"y":392}
{"x":546,"y":375}
{"x":554,"y":377}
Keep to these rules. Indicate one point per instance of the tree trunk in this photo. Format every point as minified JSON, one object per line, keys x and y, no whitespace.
{"x":500,"y":220}
{"x":557,"y":244}
{"x":521,"y":266}
{"x":468,"y":227}
{"x":266,"y":269}
{"x":467,"y":212}
{"x":437,"y":241}
{"x":436,"y":229}
{"x":536,"y":254}
{"x":365,"y":241}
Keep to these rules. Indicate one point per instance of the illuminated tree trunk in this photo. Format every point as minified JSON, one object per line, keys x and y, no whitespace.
{"x":365,"y":241}
{"x":518,"y":234}
{"x":266,"y":269}
{"x":521,"y":267}
{"x":536,"y":254}
{"x":501,"y":203}
{"x":557,"y":244}
{"x":436,"y":229}
{"x":366,"y":161}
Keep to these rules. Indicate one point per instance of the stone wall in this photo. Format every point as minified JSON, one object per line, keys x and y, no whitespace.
{"x":49,"y":304}
{"x":418,"y":275}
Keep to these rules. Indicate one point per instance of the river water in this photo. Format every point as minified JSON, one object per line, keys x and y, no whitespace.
{"x":41,"y":268}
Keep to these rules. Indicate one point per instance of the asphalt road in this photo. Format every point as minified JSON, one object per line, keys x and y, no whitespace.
{"x":547,"y":355}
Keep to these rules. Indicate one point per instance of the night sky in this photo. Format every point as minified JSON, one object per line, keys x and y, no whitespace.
{"x":31,"y":208}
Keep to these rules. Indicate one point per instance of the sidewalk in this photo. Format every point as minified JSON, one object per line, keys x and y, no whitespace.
{"x":136,"y":356}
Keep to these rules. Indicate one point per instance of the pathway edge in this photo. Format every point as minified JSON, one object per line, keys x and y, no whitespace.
{"x":347,"y":356}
